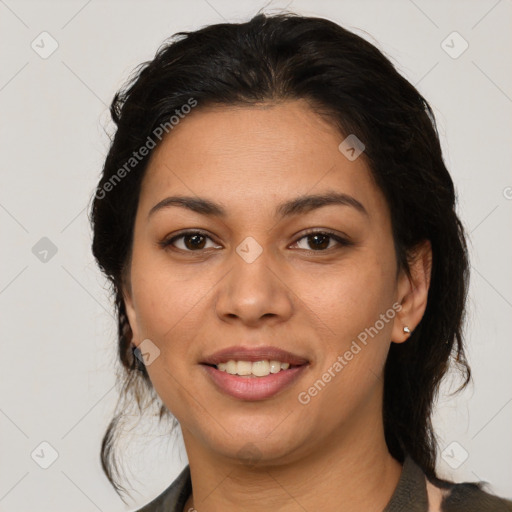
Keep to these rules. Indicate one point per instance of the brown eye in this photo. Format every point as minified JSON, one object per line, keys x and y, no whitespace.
{"x":191,"y":241}
{"x":321,"y":241}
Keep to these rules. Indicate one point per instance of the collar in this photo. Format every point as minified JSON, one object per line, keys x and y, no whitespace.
{"x":410,"y":494}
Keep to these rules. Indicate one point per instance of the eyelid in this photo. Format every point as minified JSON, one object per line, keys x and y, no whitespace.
{"x":169,"y":240}
{"x":341,"y":238}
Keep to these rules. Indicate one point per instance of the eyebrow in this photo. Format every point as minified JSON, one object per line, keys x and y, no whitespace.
{"x":304,"y":204}
{"x":301,"y":204}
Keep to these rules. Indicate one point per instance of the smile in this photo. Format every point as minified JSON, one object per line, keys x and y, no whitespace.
{"x":251,"y":387}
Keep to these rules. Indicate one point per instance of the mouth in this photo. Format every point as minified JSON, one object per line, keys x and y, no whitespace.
{"x":256,"y":369}
{"x":253,"y":374}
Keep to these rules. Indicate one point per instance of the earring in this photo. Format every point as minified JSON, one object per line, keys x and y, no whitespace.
{"x":407,"y":330}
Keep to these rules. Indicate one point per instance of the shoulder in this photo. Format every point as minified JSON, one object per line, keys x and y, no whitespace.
{"x":445,"y":496}
{"x":417,"y":493}
{"x":173,"y":498}
{"x":471,"y":497}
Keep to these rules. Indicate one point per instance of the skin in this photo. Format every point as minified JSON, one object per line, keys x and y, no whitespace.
{"x":313,"y":303}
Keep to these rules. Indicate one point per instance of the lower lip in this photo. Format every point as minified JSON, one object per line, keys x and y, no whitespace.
{"x":253,"y":388}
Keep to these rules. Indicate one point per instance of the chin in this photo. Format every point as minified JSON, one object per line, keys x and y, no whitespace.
{"x":253,"y":451}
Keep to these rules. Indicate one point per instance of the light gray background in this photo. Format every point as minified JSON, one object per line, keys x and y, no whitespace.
{"x":58,"y":335}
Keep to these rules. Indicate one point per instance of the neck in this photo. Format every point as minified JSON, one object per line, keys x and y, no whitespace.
{"x":350,"y":473}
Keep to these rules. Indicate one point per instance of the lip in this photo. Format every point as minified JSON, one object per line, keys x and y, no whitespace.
{"x":253,"y":388}
{"x":252,"y":354}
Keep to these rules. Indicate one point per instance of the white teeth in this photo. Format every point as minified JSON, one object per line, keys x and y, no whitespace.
{"x":275,"y":366}
{"x":244,"y":368}
{"x":258,"y":368}
{"x":231,"y":367}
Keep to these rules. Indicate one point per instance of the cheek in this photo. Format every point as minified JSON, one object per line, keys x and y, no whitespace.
{"x":168,"y":313}
{"x":355,"y":302}
{"x":166,"y":298}
{"x":351,"y":297}
{"x":173,"y":308}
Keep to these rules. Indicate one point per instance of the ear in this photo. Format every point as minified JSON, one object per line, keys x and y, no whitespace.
{"x":130,"y":310}
{"x":413,"y":291}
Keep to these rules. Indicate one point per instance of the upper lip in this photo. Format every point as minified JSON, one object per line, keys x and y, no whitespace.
{"x":240,"y":353}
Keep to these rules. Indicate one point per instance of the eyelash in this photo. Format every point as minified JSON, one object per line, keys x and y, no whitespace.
{"x":342,"y":242}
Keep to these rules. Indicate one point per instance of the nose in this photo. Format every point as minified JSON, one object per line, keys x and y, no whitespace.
{"x":253,"y":293}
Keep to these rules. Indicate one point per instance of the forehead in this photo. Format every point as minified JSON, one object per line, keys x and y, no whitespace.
{"x":268,"y":153}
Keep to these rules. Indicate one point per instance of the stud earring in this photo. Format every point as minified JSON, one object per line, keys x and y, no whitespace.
{"x":407,"y":330}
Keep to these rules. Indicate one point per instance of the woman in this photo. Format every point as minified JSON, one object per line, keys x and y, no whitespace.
{"x":289,"y":270}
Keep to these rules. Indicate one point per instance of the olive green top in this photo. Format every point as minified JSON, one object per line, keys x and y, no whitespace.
{"x":410,"y":495}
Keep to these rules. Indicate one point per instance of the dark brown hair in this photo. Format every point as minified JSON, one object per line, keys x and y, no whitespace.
{"x":284,"y":57}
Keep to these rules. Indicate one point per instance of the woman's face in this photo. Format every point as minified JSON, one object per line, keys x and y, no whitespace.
{"x":256,"y":280}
